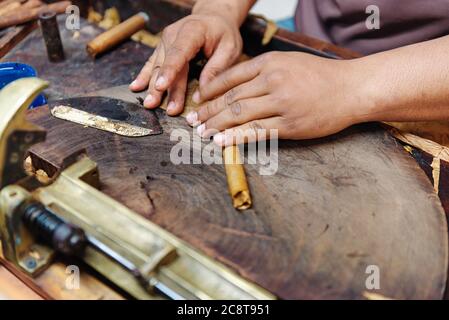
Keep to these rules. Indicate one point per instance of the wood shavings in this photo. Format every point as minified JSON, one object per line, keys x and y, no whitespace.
{"x":438,"y":151}
{"x":436,"y":173}
{"x":147,"y":38}
{"x":425,"y":145}
{"x":40,"y":174}
{"x":28,"y":166}
{"x":93,"y":16}
{"x":111,"y":19}
{"x":437,"y":131}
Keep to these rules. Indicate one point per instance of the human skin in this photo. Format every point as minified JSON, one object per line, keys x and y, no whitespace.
{"x":212,"y":27}
{"x":303,"y":96}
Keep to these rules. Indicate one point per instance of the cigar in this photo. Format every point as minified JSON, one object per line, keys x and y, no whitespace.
{"x":117,"y":34}
{"x":32,"y":14}
{"x":235,"y":174}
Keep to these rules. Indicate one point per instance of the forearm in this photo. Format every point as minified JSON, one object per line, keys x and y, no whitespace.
{"x":406,"y":84}
{"x":236,"y":10}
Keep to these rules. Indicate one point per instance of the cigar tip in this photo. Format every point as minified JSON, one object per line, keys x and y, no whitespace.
{"x":91,"y":51}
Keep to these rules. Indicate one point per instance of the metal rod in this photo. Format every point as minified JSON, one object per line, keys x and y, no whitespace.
{"x":158,"y":286}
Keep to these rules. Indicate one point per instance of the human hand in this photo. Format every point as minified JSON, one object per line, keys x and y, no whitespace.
{"x":168,"y":67}
{"x":300,"y":95}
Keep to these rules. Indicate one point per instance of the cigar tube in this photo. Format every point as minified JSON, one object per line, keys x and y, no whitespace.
{"x":117,"y":34}
{"x":235,"y":174}
{"x":24,"y":16}
{"x":52,"y":37}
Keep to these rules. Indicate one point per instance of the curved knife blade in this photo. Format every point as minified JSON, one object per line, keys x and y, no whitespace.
{"x":108,"y":114}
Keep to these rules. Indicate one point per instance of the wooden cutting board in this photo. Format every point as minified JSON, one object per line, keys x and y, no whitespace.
{"x":335,"y":207}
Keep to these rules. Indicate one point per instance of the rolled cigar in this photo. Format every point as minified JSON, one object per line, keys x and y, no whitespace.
{"x":235,"y":174}
{"x":117,"y":34}
{"x":28,"y":15}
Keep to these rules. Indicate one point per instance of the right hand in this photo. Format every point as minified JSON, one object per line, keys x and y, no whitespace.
{"x":168,"y":67}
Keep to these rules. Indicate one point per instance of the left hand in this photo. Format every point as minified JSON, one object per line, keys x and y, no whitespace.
{"x":300,"y":95}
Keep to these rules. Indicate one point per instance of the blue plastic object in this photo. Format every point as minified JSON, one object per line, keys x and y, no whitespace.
{"x":288,"y":24}
{"x":10,"y":71}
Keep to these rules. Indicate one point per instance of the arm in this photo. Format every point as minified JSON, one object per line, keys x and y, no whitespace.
{"x":405,"y":84}
{"x":236,"y":10}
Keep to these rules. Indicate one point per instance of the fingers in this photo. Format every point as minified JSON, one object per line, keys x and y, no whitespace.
{"x":143,"y":79}
{"x":223,"y":57}
{"x":177,"y":93}
{"x":253,"y":89}
{"x":189,"y":40}
{"x":252,"y":131}
{"x":229,"y":79}
{"x":238,"y":113}
{"x":154,"y":96}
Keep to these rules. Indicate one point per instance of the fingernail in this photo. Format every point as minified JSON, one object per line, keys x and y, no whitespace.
{"x":171,"y":106}
{"x":196,"y":97}
{"x":132,"y":84}
{"x":219,"y":139}
{"x":192,"y":118}
{"x":148,"y":100}
{"x":161,"y":82}
{"x":200,"y":130}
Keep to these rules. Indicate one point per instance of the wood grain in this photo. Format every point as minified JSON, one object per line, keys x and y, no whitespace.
{"x":13,"y":289}
{"x":335,"y":206}
{"x":51,"y":284}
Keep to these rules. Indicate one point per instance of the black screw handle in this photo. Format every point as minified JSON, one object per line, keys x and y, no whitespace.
{"x":48,"y":227}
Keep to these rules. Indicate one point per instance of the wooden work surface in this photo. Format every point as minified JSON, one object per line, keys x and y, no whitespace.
{"x":334,"y":207}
